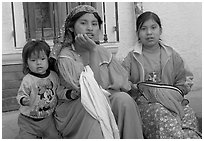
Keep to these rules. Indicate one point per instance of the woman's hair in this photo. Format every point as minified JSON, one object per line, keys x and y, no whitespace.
{"x":33,"y":47}
{"x":146,"y":16}
{"x":77,"y":16}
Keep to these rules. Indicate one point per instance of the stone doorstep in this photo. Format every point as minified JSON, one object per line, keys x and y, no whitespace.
{"x":10,"y":127}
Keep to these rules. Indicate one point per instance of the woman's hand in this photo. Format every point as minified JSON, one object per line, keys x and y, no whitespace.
{"x":83,"y":41}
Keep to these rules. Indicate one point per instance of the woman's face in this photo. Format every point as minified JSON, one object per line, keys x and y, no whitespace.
{"x":87,"y":24}
{"x":149,"y":33}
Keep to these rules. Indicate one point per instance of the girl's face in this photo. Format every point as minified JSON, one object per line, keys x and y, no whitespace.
{"x":149,"y":33}
{"x":38,"y":63}
{"x":87,"y":24}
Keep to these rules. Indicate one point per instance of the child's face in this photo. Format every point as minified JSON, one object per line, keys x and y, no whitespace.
{"x":38,"y":63}
{"x":149,"y":33}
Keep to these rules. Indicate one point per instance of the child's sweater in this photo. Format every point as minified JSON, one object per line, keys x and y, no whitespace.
{"x":42,"y":90}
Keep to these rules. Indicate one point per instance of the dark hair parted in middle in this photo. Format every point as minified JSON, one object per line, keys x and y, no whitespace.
{"x":146,"y":16}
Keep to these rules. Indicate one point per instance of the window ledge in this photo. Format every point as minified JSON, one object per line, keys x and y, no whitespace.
{"x":15,"y":58}
{"x":11,"y":59}
{"x":111,"y":46}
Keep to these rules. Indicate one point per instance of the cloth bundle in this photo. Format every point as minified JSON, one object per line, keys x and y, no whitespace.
{"x":95,"y":101}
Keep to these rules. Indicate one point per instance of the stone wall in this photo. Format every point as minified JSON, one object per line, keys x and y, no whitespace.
{"x":11,"y":78}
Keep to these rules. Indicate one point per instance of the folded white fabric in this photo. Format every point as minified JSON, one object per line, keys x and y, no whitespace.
{"x":95,"y":101}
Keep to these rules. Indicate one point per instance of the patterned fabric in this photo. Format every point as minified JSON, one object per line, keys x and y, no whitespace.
{"x":160,"y":123}
{"x":170,"y":97}
{"x":164,"y":113}
{"x":81,"y":8}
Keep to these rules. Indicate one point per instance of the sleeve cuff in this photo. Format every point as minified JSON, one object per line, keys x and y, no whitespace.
{"x":21,"y":101}
{"x":68,"y":94}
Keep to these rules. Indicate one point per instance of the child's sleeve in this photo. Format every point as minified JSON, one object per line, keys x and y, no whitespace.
{"x":24,"y":91}
{"x":64,"y":93}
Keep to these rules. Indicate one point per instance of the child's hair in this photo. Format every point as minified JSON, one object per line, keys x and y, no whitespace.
{"x":146,"y":16}
{"x":33,"y":47}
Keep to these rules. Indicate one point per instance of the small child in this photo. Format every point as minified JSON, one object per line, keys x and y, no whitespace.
{"x":38,"y":93}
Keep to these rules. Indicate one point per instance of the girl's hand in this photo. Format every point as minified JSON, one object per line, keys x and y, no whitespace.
{"x":26,"y":101}
{"x":85,"y":42}
{"x":134,"y":86}
{"x":134,"y":92}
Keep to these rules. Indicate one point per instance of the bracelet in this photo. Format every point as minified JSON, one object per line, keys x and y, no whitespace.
{"x":71,"y":93}
{"x":68,"y":94}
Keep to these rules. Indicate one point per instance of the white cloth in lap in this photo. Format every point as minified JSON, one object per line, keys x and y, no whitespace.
{"x":94,"y":100}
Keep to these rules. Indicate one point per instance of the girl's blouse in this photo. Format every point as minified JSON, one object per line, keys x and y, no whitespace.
{"x":113,"y":75}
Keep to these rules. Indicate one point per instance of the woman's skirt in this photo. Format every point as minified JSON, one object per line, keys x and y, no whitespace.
{"x":160,"y":123}
{"x":74,"y":122}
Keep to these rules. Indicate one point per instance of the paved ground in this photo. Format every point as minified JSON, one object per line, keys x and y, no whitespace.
{"x":10,"y":128}
{"x":9,"y":125}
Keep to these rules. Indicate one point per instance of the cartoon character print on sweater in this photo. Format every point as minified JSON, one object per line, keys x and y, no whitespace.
{"x":47,"y":99}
